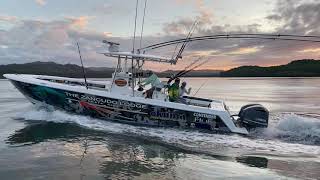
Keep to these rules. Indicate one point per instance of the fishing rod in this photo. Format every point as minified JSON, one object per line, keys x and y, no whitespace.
{"x":185,"y":42}
{"x":186,"y":71}
{"x":191,"y":64}
{"x":238,"y":36}
{"x":194,"y":94}
{"x":181,"y":49}
{"x":200,"y":87}
{"x":83,"y":70}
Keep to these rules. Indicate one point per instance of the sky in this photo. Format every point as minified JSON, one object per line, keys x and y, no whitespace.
{"x":47,"y":30}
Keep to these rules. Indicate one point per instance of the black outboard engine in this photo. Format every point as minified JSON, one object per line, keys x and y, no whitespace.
{"x":254,"y":116}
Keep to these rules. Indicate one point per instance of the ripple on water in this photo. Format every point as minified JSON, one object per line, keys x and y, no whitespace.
{"x":289,"y":134}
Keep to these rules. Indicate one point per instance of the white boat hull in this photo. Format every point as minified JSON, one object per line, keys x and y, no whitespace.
{"x":108,"y":105}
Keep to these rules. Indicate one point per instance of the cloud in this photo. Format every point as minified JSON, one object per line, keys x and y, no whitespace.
{"x":32,"y":40}
{"x":180,"y":26}
{"x":79,"y":22}
{"x":35,"y":40}
{"x":41,"y":2}
{"x":183,"y":25}
{"x":242,"y":51}
{"x":107,"y":34}
{"x":297,"y":16}
{"x":311,"y":50}
{"x":10,"y":19}
{"x":288,"y":17}
{"x":114,"y":8}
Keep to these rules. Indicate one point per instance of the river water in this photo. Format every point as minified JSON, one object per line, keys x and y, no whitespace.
{"x":49,"y":144}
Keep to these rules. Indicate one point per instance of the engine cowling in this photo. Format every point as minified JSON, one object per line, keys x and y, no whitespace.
{"x":254,"y":116}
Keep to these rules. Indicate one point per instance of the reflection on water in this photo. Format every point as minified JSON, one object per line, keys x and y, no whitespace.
{"x":260,"y":162}
{"x":120,"y":157}
{"x":37,"y":132}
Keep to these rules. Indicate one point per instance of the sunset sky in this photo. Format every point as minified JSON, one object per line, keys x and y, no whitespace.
{"x":47,"y":30}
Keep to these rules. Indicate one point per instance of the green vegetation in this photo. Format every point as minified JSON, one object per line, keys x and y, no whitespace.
{"x":75,"y":71}
{"x":53,"y":69}
{"x":298,"y":68}
{"x":194,"y":73}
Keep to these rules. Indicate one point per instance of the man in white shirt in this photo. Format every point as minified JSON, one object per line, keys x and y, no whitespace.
{"x":182,"y":91}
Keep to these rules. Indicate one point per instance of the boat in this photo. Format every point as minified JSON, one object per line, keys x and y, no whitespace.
{"x":120,"y":99}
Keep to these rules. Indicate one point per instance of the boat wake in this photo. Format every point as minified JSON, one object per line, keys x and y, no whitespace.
{"x":292,"y":128}
{"x":289,"y":134}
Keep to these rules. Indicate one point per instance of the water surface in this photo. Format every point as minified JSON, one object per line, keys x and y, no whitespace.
{"x":49,"y":144}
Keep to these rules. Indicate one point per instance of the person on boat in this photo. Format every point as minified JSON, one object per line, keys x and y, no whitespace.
{"x":173,"y":90}
{"x":149,"y":93}
{"x":140,"y":88}
{"x":156,"y":84}
{"x":182,"y":91}
{"x":153,"y":80}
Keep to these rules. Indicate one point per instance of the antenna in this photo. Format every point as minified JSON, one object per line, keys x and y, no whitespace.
{"x":83,"y":70}
{"x":133,"y":44}
{"x":135,"y":26}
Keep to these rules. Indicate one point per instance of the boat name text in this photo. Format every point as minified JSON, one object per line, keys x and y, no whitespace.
{"x":105,"y":101}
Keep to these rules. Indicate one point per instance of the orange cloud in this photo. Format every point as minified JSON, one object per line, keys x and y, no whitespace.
{"x":79,"y":22}
{"x":206,"y":53}
{"x":107,"y":34}
{"x":311,"y":50}
{"x":8,"y":18}
{"x":41,"y":2}
{"x":242,"y":51}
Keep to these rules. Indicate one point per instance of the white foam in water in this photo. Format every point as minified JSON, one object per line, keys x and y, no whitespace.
{"x":295,"y":128}
{"x":291,"y":127}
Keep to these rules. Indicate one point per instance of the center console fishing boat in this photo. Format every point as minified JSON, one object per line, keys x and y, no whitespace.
{"x":122,"y":100}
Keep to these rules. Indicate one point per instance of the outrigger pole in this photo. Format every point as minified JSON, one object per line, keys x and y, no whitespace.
{"x":184,"y":41}
{"x":285,"y":37}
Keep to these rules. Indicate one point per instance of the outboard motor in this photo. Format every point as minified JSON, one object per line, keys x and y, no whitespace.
{"x":254,"y":116}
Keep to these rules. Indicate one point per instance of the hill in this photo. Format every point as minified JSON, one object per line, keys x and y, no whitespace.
{"x":297,"y":68}
{"x":75,"y":71}
{"x":54,"y":69}
{"x":194,"y":73}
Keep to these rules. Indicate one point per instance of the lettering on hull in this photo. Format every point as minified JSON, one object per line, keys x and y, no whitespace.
{"x":115,"y":109}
